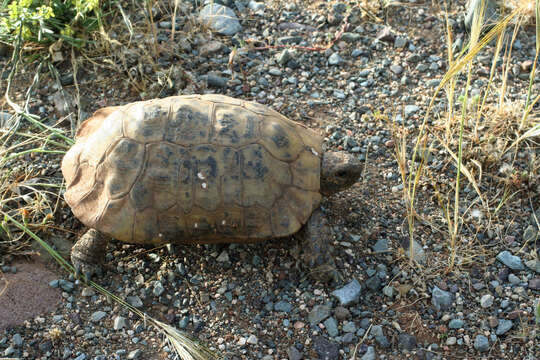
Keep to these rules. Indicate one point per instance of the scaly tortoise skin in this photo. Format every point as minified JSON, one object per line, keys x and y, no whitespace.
{"x":199,"y":169}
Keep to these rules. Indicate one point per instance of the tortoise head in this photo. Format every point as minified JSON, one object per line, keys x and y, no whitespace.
{"x":339,"y":170}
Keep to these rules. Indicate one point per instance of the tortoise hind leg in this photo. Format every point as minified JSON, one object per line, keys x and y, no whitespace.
{"x":317,"y":250}
{"x":88,"y":253}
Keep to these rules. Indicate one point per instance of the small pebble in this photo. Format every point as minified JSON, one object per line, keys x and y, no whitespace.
{"x":481,"y":343}
{"x":504,"y":326}
{"x":486,"y":301}
{"x":335,"y":59}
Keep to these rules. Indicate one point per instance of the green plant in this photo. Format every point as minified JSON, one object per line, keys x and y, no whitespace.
{"x":46,"y":21}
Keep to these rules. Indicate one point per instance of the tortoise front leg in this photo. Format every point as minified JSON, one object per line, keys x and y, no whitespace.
{"x":88,"y":253}
{"x":317,"y":248}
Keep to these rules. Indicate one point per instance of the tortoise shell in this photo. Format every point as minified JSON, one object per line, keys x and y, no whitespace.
{"x":193,"y":169}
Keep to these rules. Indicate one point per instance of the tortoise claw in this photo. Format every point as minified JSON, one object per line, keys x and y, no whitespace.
{"x":326,"y":273}
{"x":88,"y":253}
{"x":86,"y":269}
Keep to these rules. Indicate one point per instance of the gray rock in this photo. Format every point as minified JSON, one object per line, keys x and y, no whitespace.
{"x":389,"y":291}
{"x":45,"y":345}
{"x":257,"y":7}
{"x":223,"y":257}
{"x":9,"y":351}
{"x":356,"y":53}
{"x":396,"y":69}
{"x":351,"y":37}
{"x":339,"y":8}
{"x":88,"y":292}
{"x":289,"y":40}
{"x":349,"y":327}
{"x":97,"y":316}
{"x":283,"y":306}
{"x":534,"y":265}
{"x":331,"y":327}
{"x":370,"y":354}
{"x":341,"y":313}
{"x":504,"y":326}
{"x":486,"y":301}
{"x":17,"y":340}
{"x":335,"y":59}
{"x":283,"y":57}
{"x":338,"y":94}
{"x":348,"y":338}
{"x":452,"y":340}
{"x":135,"y":354}
{"x":512,"y":261}
{"x":67,"y":286}
{"x":326,"y":349}
{"x":6,"y":120}
{"x":120,"y":322}
{"x":418,"y":253}
{"x":252,"y":339}
{"x":294,"y":354}
{"x":400,"y":42}
{"x":134,"y":301}
{"x":491,"y":14}
{"x":349,"y":141}
{"x":139,"y":280}
{"x":534,"y":284}
{"x":513,"y":279}
{"x":220,"y":18}
{"x":158,"y":288}
{"x":385,"y":34}
{"x":211,"y":47}
{"x":376,"y":330}
{"x":421,"y":67}
{"x":406,"y":341}
{"x":413,"y":58}
{"x":381,"y":246}
{"x":382,"y":341}
{"x":456,"y":324}
{"x":216,"y":81}
{"x":184,"y":322}
{"x":318,"y":314}
{"x":274,"y":71}
{"x":411,"y":109}
{"x":373,"y":283}
{"x":441,"y":299}
{"x":349,"y":293}
{"x":481,"y":343}
{"x":167,"y":25}
{"x":530,"y":234}
{"x":181,"y":269}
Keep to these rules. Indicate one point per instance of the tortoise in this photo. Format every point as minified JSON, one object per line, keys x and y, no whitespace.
{"x":198,"y":169}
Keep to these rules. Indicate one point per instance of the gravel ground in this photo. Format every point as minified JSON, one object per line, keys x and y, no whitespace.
{"x":256,"y":301}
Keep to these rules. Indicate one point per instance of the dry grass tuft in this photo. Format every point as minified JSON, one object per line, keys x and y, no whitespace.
{"x":478,"y":158}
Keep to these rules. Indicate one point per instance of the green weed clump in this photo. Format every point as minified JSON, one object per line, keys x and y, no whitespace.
{"x":46,"y":21}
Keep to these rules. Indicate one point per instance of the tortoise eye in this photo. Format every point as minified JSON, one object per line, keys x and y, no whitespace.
{"x":341,"y":173}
